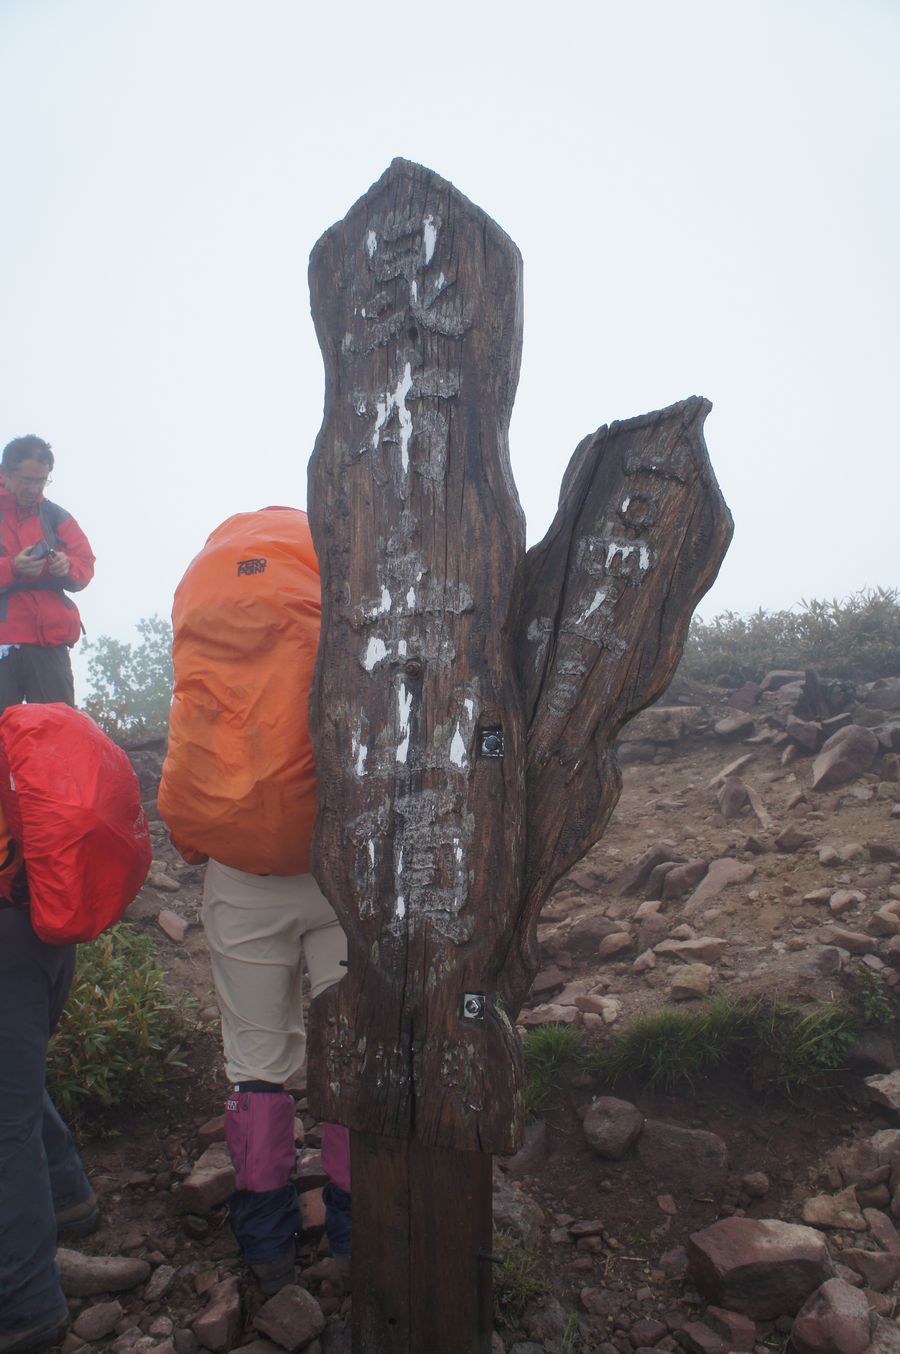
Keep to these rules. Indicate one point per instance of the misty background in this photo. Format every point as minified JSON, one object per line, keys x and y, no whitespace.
{"x":705,"y":195}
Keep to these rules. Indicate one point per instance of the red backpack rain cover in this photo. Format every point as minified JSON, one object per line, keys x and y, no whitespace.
{"x":72,"y":800}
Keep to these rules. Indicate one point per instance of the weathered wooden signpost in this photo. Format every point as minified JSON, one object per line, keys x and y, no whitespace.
{"x":465,"y":703}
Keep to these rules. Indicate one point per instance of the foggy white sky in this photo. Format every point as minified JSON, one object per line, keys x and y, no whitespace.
{"x":705,"y":193}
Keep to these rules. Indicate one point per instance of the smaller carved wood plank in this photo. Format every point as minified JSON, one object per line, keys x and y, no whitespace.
{"x":639,"y":536}
{"x":416,"y":297}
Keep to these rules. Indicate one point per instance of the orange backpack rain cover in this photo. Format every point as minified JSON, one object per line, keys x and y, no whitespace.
{"x":72,"y":800}
{"x":239,"y":780}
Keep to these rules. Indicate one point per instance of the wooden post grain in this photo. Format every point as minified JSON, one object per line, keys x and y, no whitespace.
{"x":464,"y":707}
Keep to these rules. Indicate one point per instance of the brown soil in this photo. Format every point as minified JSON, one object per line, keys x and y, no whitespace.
{"x":137,"y":1162}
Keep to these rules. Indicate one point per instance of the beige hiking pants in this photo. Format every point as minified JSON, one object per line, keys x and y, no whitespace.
{"x":260,"y":929}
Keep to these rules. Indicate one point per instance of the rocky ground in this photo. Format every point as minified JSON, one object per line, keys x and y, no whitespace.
{"x":755,"y":851}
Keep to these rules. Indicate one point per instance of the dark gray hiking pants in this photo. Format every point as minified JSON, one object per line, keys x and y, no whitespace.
{"x":38,"y":673}
{"x":40,"y":1170}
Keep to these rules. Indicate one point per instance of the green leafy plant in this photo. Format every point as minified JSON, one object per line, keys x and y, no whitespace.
{"x":548,"y":1050}
{"x":873,"y":997}
{"x":120,"y":1030}
{"x":856,"y":639}
{"x":516,"y":1278}
{"x":131,"y":684}
{"x":805,"y":1049}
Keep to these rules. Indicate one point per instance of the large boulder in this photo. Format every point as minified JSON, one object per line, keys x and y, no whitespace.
{"x":845,"y":755}
{"x":762,"y":1267}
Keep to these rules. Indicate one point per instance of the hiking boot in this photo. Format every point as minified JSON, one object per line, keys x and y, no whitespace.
{"x":273,"y":1275}
{"x":42,"y":1334}
{"x":80,"y":1219}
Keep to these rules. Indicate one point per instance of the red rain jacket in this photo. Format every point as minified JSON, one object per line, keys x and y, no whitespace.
{"x":37,"y":610}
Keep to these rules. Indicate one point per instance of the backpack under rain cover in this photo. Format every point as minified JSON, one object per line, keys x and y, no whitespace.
{"x":71,"y":798}
{"x":239,"y":780}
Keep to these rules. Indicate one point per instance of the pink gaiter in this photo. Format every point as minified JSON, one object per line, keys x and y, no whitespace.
{"x":336,"y":1154}
{"x":259,"y":1131}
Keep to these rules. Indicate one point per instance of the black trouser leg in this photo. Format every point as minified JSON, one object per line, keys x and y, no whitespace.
{"x":34,"y":983}
{"x":12,"y":685}
{"x":47,"y":673}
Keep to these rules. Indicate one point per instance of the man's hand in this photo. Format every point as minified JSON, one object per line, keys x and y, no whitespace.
{"x":26,"y":566}
{"x":58,"y":565}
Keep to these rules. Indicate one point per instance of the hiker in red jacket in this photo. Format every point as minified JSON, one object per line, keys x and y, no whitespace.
{"x":44,"y":555}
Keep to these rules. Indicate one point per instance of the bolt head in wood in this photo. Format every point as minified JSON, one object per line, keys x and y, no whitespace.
{"x":491,"y":742}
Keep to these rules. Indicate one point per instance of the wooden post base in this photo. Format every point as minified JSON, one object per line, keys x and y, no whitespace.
{"x":422,"y":1233}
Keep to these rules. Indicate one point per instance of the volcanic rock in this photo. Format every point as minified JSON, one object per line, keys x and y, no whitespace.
{"x":721,"y":873}
{"x":683,"y":1161}
{"x":210,"y":1182}
{"x":82,"y":1276}
{"x":761,"y":1267}
{"x":835,"y":1210}
{"x":833,"y":1320}
{"x":219,"y":1324}
{"x":611,"y":1126}
{"x":844,"y":756}
{"x":292,"y":1318}
{"x":691,"y":982}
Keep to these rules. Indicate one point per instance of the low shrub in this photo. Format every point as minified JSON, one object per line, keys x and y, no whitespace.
{"x":119,"y":1032}
{"x":856,"y":639}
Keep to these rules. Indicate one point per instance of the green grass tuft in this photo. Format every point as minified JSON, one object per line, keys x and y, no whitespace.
{"x":675,"y":1046}
{"x":548,"y":1050}
{"x":571,"y":1336}
{"x":779,"y":1046}
{"x":516,"y":1279}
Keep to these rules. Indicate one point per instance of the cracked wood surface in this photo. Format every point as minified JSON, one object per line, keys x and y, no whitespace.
{"x":437,"y":633}
{"x":638,"y":539}
{"x":420,"y":839}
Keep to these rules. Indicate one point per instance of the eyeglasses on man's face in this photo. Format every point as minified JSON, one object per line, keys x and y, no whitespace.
{"x":29,"y":481}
